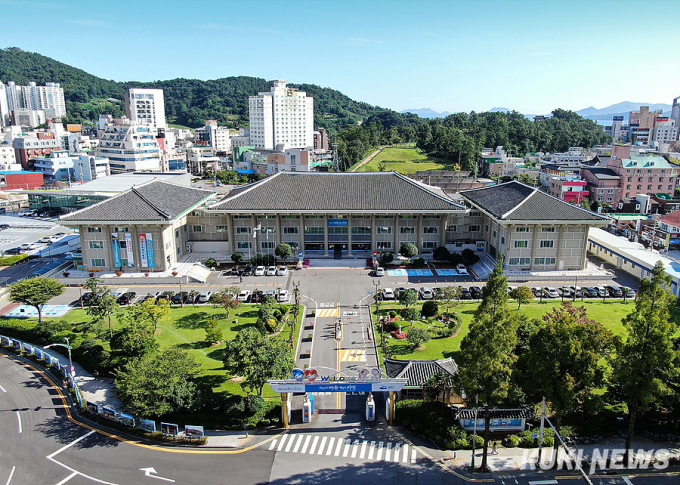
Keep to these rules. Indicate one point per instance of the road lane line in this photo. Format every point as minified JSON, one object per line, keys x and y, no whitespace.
{"x":363,"y":449}
{"x":67,"y":478}
{"x":371,"y":450}
{"x":413,"y":455}
{"x":355,"y":448}
{"x":397,"y":448}
{"x":380,"y":450}
{"x":11,"y":474}
{"x":283,"y":440}
{"x":388,"y":451}
{"x":19,"y":419}
{"x":70,"y":444}
{"x":627,"y":480}
{"x":337,"y":448}
{"x":405,"y":457}
{"x":271,"y":447}
{"x":345,"y":452}
{"x":322,"y":445}
{"x":290,"y":443}
{"x":313,"y":447}
{"x":304,"y":447}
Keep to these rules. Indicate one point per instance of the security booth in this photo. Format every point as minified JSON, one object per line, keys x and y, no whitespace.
{"x":321,"y":379}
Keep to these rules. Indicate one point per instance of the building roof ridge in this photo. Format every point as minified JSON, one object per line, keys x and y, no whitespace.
{"x":522,"y":202}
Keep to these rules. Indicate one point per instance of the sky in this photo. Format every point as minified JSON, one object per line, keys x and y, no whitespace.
{"x":530,"y":56}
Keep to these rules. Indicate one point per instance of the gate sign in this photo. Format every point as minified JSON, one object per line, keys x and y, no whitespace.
{"x":309,"y":380}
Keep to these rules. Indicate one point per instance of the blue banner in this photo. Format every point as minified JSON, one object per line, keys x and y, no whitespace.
{"x":108,"y":412}
{"x":148,"y":425}
{"x":126,"y":419}
{"x":338,"y":223}
{"x":149,"y":250}
{"x":93,"y":407}
{"x":338,"y":387}
{"x":116,"y":251}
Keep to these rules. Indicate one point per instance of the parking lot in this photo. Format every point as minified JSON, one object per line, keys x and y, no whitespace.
{"x":26,"y":230}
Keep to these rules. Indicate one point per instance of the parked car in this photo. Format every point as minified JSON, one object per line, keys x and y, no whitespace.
{"x":259,"y":271}
{"x":13,"y":251}
{"x":28,"y":246}
{"x":476,"y":292}
{"x":271,"y":271}
{"x":461,"y":269}
{"x":628,"y":292}
{"x":465,"y":294}
{"x":194,"y":299}
{"x":426,"y":293}
{"x":234,"y":272}
{"x":282,"y":271}
{"x":397,"y":291}
{"x":538,"y":292}
{"x":248,"y":270}
{"x":591,"y":292}
{"x":510,"y":288}
{"x":379,"y":271}
{"x":283,"y":296}
{"x":438,"y":293}
{"x":614,"y":291}
{"x":565,"y":291}
{"x":4,"y":226}
{"x":388,"y":294}
{"x":204,"y":297}
{"x":256,"y":296}
{"x":126,"y":298}
{"x":180,"y":298}
{"x":551,"y":292}
{"x":163,"y":296}
{"x":243,"y":296}
{"x":48,"y":239}
{"x":601,"y":291}
{"x":577,"y":290}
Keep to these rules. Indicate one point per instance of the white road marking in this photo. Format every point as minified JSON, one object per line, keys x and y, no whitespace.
{"x":627,"y":480}
{"x":69,"y":445}
{"x":299,"y":442}
{"x":413,"y":456}
{"x":283,"y":440}
{"x":19,"y":419}
{"x":2,"y":389}
{"x":11,"y":474}
{"x":313,"y":447}
{"x":290,"y":443}
{"x":380,"y":451}
{"x":371,"y":450}
{"x":355,"y":448}
{"x":544,"y":482}
{"x":322,"y":445}
{"x":388,"y":451}
{"x":397,"y":448}
{"x":304,"y":448}
{"x":337,"y":448}
{"x":67,"y":478}
{"x":271,"y":447}
{"x":405,"y":457}
{"x":345,"y":452}
{"x":363,"y":449}
{"x":75,"y":472}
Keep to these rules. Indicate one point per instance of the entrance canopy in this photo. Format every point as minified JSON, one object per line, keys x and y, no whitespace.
{"x":330,"y":380}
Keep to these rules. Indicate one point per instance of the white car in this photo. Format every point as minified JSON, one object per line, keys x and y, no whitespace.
{"x":204,"y":297}
{"x":28,"y":246}
{"x":271,"y":271}
{"x":551,"y":292}
{"x":243,"y":296}
{"x":379,"y":271}
{"x":283,"y":296}
{"x":426,"y":293}
{"x":387,"y":294}
{"x":461,"y":269}
{"x":259,"y":271}
{"x":282,"y":271}
{"x":48,"y":239}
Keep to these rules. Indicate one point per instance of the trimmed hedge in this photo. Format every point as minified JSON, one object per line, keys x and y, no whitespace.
{"x":12,"y":260}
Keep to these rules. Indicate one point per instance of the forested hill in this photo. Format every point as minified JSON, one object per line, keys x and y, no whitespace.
{"x":188,"y":102}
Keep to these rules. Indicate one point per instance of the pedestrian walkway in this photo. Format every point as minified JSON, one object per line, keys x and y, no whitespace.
{"x":366,"y":450}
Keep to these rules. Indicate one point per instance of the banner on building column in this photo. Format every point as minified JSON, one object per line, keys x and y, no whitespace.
{"x":142,"y":251}
{"x":130,"y":254}
{"x":149,"y":250}
{"x":116,"y":249}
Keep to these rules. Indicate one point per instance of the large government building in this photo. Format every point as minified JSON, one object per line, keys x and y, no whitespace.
{"x":152,"y":226}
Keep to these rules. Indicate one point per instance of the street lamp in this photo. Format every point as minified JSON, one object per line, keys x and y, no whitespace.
{"x":68,"y":347}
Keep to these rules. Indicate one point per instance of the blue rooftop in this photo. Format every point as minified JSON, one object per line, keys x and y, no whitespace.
{"x":14,"y":172}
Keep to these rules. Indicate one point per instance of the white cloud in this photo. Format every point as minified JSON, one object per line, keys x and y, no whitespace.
{"x":361,"y":41}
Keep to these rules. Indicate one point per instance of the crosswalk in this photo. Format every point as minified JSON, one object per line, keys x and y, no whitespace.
{"x":374,"y":450}
{"x":327,"y":312}
{"x":355,"y":355}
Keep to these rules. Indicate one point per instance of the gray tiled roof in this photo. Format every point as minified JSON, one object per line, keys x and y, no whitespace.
{"x":467,"y":413}
{"x":336,"y":192}
{"x":517,"y":201}
{"x":418,"y":371}
{"x":153,"y":201}
{"x":603,"y":173}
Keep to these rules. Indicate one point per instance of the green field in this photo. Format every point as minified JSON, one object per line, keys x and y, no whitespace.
{"x":406,"y":160}
{"x":609,"y":313}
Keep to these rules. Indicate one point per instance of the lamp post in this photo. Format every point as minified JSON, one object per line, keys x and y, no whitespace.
{"x":296,"y":309}
{"x":68,"y":347}
{"x":376,"y":296}
{"x":80,"y":288}
{"x":181,"y":298}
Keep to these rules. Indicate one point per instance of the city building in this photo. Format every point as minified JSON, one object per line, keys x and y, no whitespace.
{"x":129,"y":146}
{"x":217,"y":137}
{"x":26,"y":148}
{"x":281,"y":118}
{"x":551,"y":170}
{"x":665,"y":131}
{"x":604,"y":184}
{"x":641,"y":124}
{"x":321,"y":140}
{"x":268,"y":162}
{"x":146,"y":107}
{"x":87,"y":168}
{"x":57,"y":167}
{"x":675,"y":110}
{"x":569,"y":188}
{"x":201,"y":158}
{"x":25,"y":105}
{"x":574,"y":157}
{"x":642,"y":174}
{"x":20,"y":180}
{"x":8,"y":158}
{"x":498,"y":163}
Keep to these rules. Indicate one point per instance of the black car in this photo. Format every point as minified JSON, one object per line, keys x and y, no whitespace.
{"x":476,"y":292}
{"x":256,"y":296}
{"x":614,"y":291}
{"x":591,"y":292}
{"x":13,"y":251}
{"x":126,"y":298}
{"x":397,"y":291}
{"x":438,"y":293}
{"x":180,"y":298}
{"x":163,"y":296}
{"x":235,"y":272}
{"x":465,"y":294}
{"x":248,"y":271}
{"x":4,"y":226}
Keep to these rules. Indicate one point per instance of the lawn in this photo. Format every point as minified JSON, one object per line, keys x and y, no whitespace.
{"x":609,"y":313}
{"x":405,"y":160}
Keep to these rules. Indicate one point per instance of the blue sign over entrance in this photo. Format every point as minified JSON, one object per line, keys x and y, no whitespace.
{"x":338,"y":387}
{"x":338,"y":223}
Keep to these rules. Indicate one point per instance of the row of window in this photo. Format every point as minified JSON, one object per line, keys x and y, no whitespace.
{"x":547,"y":243}
{"x":528,"y":229}
{"x":537,"y":261}
{"x":335,"y":230}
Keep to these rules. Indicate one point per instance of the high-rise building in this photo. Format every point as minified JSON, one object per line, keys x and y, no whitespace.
{"x":146,"y":107}
{"x":129,"y":146}
{"x":26,"y":99}
{"x":675,"y":110}
{"x":282,"y":117}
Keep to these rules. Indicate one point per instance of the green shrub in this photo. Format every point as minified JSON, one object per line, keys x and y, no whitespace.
{"x":430,"y":309}
{"x":442,"y":332}
{"x":211,"y":263}
{"x":419,"y":263}
{"x":527,"y":441}
{"x":460,"y":444}
{"x":548,"y":441}
{"x":480,"y":442}
{"x":12,"y":260}
{"x":393,"y":314}
{"x":511,"y":441}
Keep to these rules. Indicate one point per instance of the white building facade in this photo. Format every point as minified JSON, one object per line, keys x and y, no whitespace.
{"x":130,"y":147}
{"x":31,"y":98}
{"x":146,"y":107}
{"x":283,"y":116}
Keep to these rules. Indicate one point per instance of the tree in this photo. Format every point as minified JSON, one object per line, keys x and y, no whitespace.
{"x":159,"y":383}
{"x":386,"y":259}
{"x":257,"y":358}
{"x":485,"y":361}
{"x":436,"y":386}
{"x":101,"y":307}
{"x":430,"y":309}
{"x":213,"y":332}
{"x":237,"y":257}
{"x":450,"y":293}
{"x":563,"y":360}
{"x":408,"y":297}
{"x":522,"y":294}
{"x":136,"y":335}
{"x":408,"y":250}
{"x":417,"y":336}
{"x":646,"y":360}
{"x":226,"y":298}
{"x":35,"y":292}
{"x":441,"y":254}
{"x":283,"y":251}
{"x":409,"y":314}
{"x":157,"y":311}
